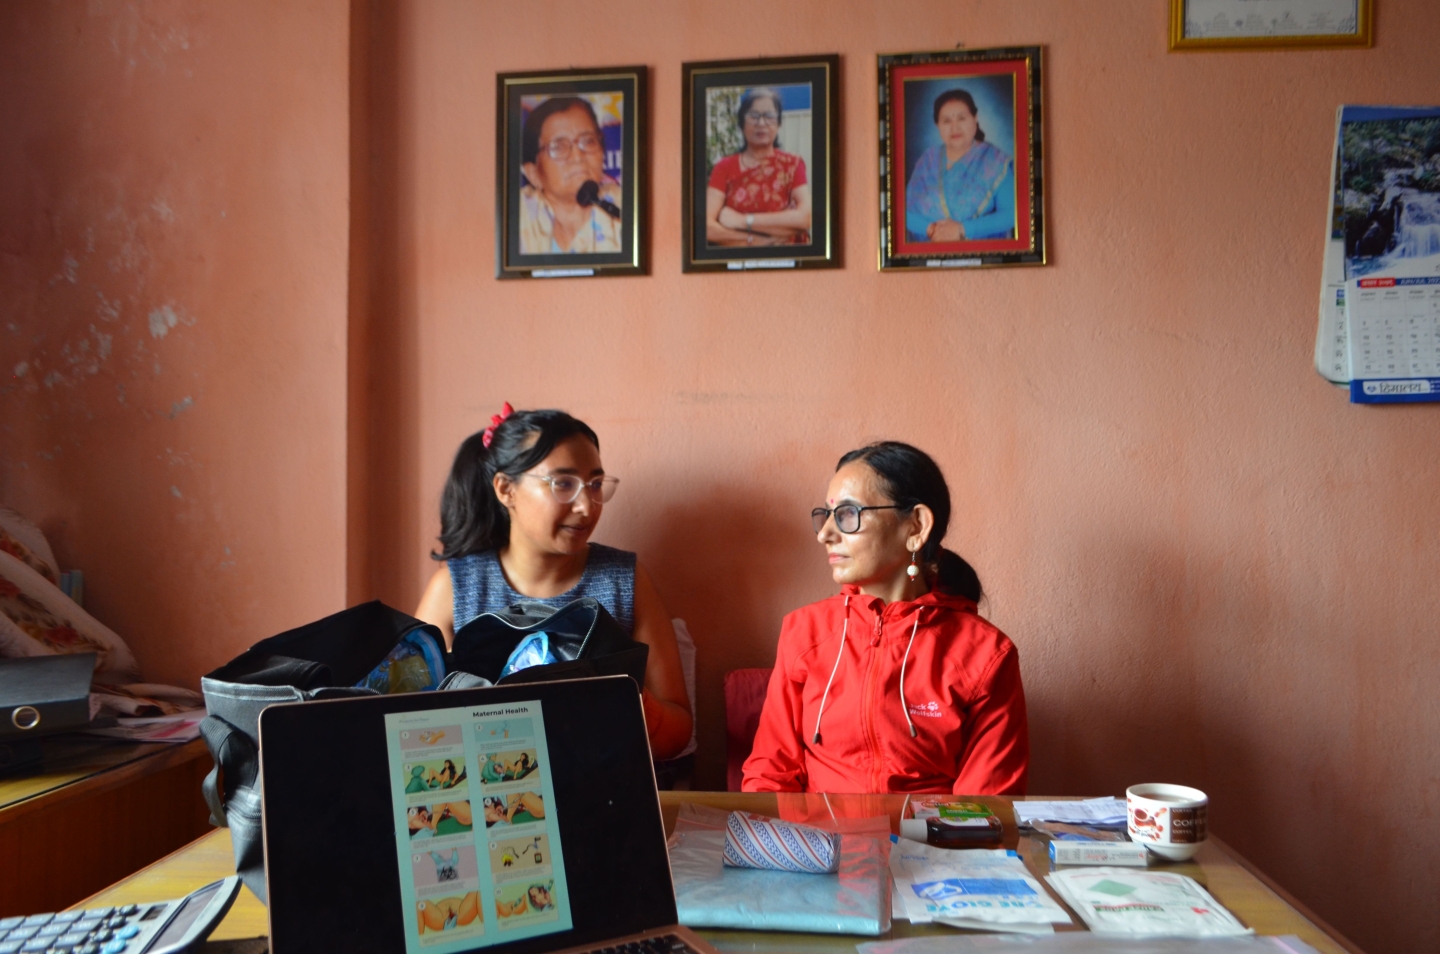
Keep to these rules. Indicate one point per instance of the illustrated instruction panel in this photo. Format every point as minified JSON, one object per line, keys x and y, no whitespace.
{"x":477,"y":843}
{"x":1395,"y":335}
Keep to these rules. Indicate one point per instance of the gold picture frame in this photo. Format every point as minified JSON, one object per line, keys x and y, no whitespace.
{"x":1002,"y":89}
{"x":1362,"y":36}
{"x":715,"y":134}
{"x":616,"y":101}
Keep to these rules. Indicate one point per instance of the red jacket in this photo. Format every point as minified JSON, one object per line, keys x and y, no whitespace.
{"x":962,"y":691}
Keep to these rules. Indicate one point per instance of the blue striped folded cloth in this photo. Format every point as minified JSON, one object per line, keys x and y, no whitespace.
{"x":754,"y":841}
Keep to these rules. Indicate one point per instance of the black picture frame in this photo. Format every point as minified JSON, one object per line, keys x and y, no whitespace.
{"x":617,"y":97}
{"x":713,"y":131}
{"x":1006,"y":87}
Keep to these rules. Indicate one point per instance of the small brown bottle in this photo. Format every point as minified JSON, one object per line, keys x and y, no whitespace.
{"x":978,"y":832}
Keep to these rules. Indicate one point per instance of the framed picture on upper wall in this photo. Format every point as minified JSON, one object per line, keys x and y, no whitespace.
{"x":761,"y":164}
{"x":961,"y":170}
{"x":1269,"y":24}
{"x":570,"y":170}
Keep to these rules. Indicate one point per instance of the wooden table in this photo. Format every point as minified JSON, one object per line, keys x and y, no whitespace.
{"x":1252,"y":897}
{"x":93,"y":811}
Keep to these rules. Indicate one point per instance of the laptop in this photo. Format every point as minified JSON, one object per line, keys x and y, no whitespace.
{"x":509,"y":820}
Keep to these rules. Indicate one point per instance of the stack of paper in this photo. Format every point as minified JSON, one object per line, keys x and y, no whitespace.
{"x":1083,"y":942}
{"x":1100,"y":812}
{"x":180,"y":727}
{"x":979,"y":889}
{"x":1125,"y":901}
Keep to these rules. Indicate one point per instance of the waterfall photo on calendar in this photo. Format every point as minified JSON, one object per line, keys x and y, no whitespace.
{"x":1388,"y":208}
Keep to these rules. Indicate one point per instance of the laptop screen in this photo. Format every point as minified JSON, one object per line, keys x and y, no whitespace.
{"x":447,"y":766}
{"x":515,"y":819}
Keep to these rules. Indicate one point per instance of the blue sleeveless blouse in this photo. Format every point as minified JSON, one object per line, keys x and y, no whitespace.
{"x":609,"y":578}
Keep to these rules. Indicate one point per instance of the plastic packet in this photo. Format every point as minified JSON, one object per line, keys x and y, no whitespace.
{"x":985,"y":889}
{"x":416,"y":664}
{"x":856,"y":900}
{"x":533,"y":650}
{"x":1125,"y":901}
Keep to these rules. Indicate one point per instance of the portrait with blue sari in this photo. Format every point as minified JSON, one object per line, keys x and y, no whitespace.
{"x":962,"y":185}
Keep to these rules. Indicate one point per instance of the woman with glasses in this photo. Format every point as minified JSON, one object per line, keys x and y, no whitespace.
{"x":516,"y":515}
{"x":759,"y":195}
{"x":895,"y":684}
{"x":561,"y":149}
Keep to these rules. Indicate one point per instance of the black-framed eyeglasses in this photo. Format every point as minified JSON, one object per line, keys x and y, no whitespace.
{"x":847,"y":516}
{"x":757,"y":117}
{"x":559,"y":149}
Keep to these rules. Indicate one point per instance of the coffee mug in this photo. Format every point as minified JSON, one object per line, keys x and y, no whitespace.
{"x":1168,"y":819}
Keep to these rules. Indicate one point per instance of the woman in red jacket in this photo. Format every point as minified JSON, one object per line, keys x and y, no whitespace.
{"x":896,"y":684}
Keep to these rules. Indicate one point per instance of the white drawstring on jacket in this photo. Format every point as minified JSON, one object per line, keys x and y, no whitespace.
{"x":844,"y":631}
{"x":903,"y":707}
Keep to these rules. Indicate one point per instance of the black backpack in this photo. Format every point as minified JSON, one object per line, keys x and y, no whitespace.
{"x":327,"y":658}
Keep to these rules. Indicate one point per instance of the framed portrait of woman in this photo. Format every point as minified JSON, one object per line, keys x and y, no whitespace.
{"x":961,"y":159}
{"x":760,"y":163}
{"x":570,"y":170}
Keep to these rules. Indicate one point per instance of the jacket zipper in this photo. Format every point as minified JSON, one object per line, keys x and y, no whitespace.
{"x":867,"y":712}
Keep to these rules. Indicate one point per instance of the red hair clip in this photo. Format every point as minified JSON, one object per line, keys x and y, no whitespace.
{"x":495,"y":421}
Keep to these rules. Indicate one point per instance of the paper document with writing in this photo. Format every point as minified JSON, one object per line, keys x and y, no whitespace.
{"x":981,"y":889}
{"x":1125,"y":901}
{"x":1083,"y":942}
{"x":1103,"y":812}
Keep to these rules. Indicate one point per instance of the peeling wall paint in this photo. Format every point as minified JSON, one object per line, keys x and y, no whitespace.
{"x":172,"y":289}
{"x":162,"y":319}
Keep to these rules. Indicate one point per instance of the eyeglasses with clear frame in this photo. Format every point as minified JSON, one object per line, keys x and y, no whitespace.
{"x":566,"y":487}
{"x":560,"y":148}
{"x":847,"y":516}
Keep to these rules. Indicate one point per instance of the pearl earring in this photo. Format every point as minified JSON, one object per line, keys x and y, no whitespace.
{"x":913,"y":570}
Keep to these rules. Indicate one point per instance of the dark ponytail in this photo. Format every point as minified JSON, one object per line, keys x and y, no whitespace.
{"x":910,"y":478}
{"x":472,"y":519}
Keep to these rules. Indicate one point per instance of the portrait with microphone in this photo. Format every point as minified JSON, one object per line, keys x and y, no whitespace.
{"x":570,"y":195}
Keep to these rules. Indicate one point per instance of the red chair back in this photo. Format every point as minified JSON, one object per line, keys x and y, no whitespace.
{"x":744,"y":698}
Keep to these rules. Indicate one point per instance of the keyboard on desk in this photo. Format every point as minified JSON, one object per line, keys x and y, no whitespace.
{"x":97,"y":931}
{"x":665,"y":944}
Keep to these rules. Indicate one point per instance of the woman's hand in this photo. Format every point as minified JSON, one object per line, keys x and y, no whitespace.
{"x":716,"y":233}
{"x":945,"y":231}
{"x":731,"y":219}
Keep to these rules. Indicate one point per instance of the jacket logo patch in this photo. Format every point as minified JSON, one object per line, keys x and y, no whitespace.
{"x":927,"y":710}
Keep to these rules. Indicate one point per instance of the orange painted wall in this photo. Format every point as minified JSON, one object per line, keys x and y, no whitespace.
{"x":1217,"y":571}
{"x":173,"y":210}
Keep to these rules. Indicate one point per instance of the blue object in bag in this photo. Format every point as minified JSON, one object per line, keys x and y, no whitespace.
{"x":414,"y":665}
{"x":533,"y":650}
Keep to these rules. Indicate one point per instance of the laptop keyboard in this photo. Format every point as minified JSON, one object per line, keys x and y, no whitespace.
{"x":665,"y":944}
{"x":97,"y":931}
